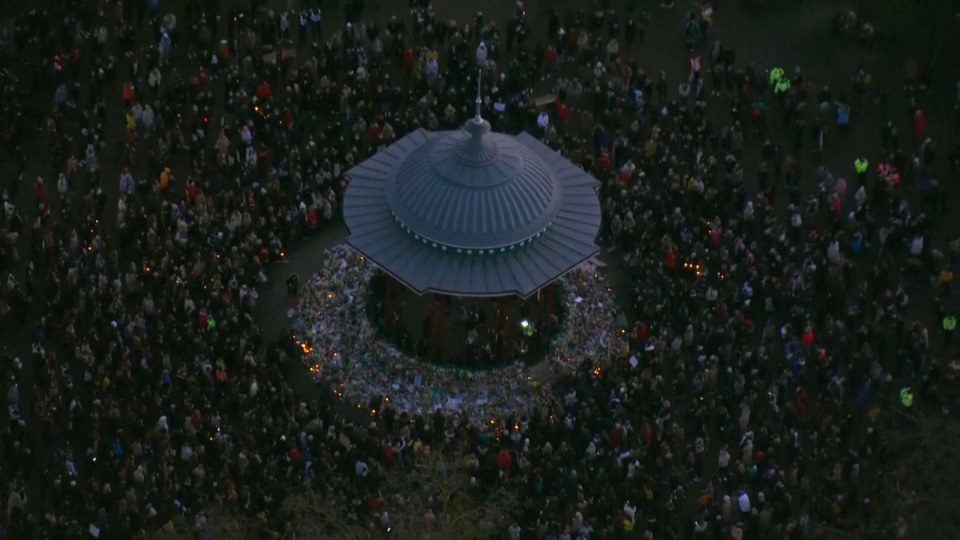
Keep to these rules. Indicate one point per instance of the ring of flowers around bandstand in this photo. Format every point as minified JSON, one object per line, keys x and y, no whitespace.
{"x":340,"y":346}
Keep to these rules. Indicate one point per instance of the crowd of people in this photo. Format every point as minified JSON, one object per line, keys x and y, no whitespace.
{"x":159,"y":158}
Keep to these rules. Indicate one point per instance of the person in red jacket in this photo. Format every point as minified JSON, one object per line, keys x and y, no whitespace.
{"x":409,"y":58}
{"x":549,"y":59}
{"x":264,"y":91}
{"x":504,"y":460}
{"x":561,"y":110}
{"x":641,"y":332}
{"x":919,"y":124}
{"x":39,"y":190}
{"x":128,"y":94}
{"x":201,"y":80}
{"x":671,"y":262}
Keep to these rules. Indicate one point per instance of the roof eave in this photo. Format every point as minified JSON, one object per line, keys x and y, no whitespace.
{"x":523,"y":294}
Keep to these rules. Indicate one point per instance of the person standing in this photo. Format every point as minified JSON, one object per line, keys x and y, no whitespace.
{"x":316,"y":18}
{"x":919,"y":125}
{"x":843,"y":117}
{"x":303,"y":27}
{"x":695,"y":65}
{"x":861,"y":165}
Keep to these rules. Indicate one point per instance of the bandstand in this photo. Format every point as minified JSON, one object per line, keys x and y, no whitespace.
{"x":470,"y":231}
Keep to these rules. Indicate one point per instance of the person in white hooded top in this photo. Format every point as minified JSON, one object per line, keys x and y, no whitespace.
{"x":833,"y":251}
{"x":63,"y":184}
{"x":743,"y":501}
{"x":148,"y":119}
{"x":916,"y":245}
{"x":723,"y":459}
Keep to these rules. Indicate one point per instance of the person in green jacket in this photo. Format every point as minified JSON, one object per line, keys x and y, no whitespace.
{"x":776,"y":74}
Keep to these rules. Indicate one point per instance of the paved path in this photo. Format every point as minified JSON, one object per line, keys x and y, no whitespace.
{"x":303,"y":259}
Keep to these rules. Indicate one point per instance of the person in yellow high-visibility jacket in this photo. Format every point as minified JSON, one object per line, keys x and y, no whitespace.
{"x":949,"y":323}
{"x":861,"y":165}
{"x":906,"y":397}
{"x":165,"y":177}
{"x":776,"y":74}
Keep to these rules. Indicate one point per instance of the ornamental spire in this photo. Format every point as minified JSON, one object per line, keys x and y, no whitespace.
{"x":481,"y":62}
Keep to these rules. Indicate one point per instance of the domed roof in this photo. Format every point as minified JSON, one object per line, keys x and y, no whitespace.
{"x":473,"y":189}
{"x":471,"y":212}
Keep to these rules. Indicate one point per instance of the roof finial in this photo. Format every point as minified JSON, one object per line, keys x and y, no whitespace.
{"x":481,"y":62}
{"x":476,"y":117}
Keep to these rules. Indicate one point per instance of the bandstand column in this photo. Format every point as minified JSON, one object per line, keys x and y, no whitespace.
{"x":497,"y":328}
{"x":389,"y":303}
{"x":549,"y":303}
{"x":505,"y":340}
{"x":436,"y":325}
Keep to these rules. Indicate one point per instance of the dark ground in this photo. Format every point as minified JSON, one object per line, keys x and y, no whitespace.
{"x":795,"y":35}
